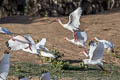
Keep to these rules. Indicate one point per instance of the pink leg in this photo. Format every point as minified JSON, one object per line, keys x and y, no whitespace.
{"x":30,"y":47}
{"x":75,"y":36}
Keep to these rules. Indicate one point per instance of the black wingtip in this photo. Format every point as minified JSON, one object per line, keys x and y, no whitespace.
{"x":6,"y":43}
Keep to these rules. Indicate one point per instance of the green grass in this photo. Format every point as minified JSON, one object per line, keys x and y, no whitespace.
{"x":61,"y":69}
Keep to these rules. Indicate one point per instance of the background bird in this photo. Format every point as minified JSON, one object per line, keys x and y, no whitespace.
{"x":107,"y":44}
{"x":4,"y":65}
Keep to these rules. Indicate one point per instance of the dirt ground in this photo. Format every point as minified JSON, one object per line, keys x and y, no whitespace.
{"x":105,"y":25}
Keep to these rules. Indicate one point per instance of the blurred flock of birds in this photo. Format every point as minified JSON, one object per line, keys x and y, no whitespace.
{"x":94,"y":53}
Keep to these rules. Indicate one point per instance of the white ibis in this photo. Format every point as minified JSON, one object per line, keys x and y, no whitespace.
{"x":4,"y":65}
{"x":108,"y":45}
{"x":39,"y":48}
{"x":33,"y":48}
{"x":45,"y":76}
{"x":95,"y":54}
{"x":73,"y":23}
{"x":16,"y":42}
{"x":79,"y":39}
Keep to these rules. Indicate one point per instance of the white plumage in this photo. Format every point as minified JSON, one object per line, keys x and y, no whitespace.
{"x":79,"y":39}
{"x":108,"y":45}
{"x":16,"y":42}
{"x":95,"y":55}
{"x":43,"y":50}
{"x":33,"y":48}
{"x":73,"y":23}
{"x":41,"y":44}
{"x":39,"y":48}
{"x":45,"y":76}
{"x":4,"y":66}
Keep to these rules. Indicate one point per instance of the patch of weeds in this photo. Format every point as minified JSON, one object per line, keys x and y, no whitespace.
{"x":83,"y":66}
{"x":60,"y":65}
{"x":57,"y":53}
{"x":60,"y":69}
{"x":50,"y":60}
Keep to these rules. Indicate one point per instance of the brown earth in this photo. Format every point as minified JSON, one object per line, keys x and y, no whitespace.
{"x":105,"y":25}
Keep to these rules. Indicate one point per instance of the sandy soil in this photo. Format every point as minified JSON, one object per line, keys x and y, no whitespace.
{"x":106,"y":26}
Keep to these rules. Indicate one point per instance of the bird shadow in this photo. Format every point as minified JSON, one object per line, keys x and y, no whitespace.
{"x":78,"y":67}
{"x":73,"y":61}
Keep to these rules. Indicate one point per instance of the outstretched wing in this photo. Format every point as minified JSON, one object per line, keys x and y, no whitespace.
{"x":92,"y":49}
{"x":41,"y":43}
{"x":4,"y":66}
{"x":4,"y":30}
{"x":29,"y":38}
{"x":99,"y":52}
{"x":81,"y":36}
{"x":33,"y":45}
{"x":74,"y":17}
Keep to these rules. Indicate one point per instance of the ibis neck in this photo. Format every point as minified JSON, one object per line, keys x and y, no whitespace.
{"x":61,"y":23}
{"x":97,"y":39}
{"x":70,"y":40}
